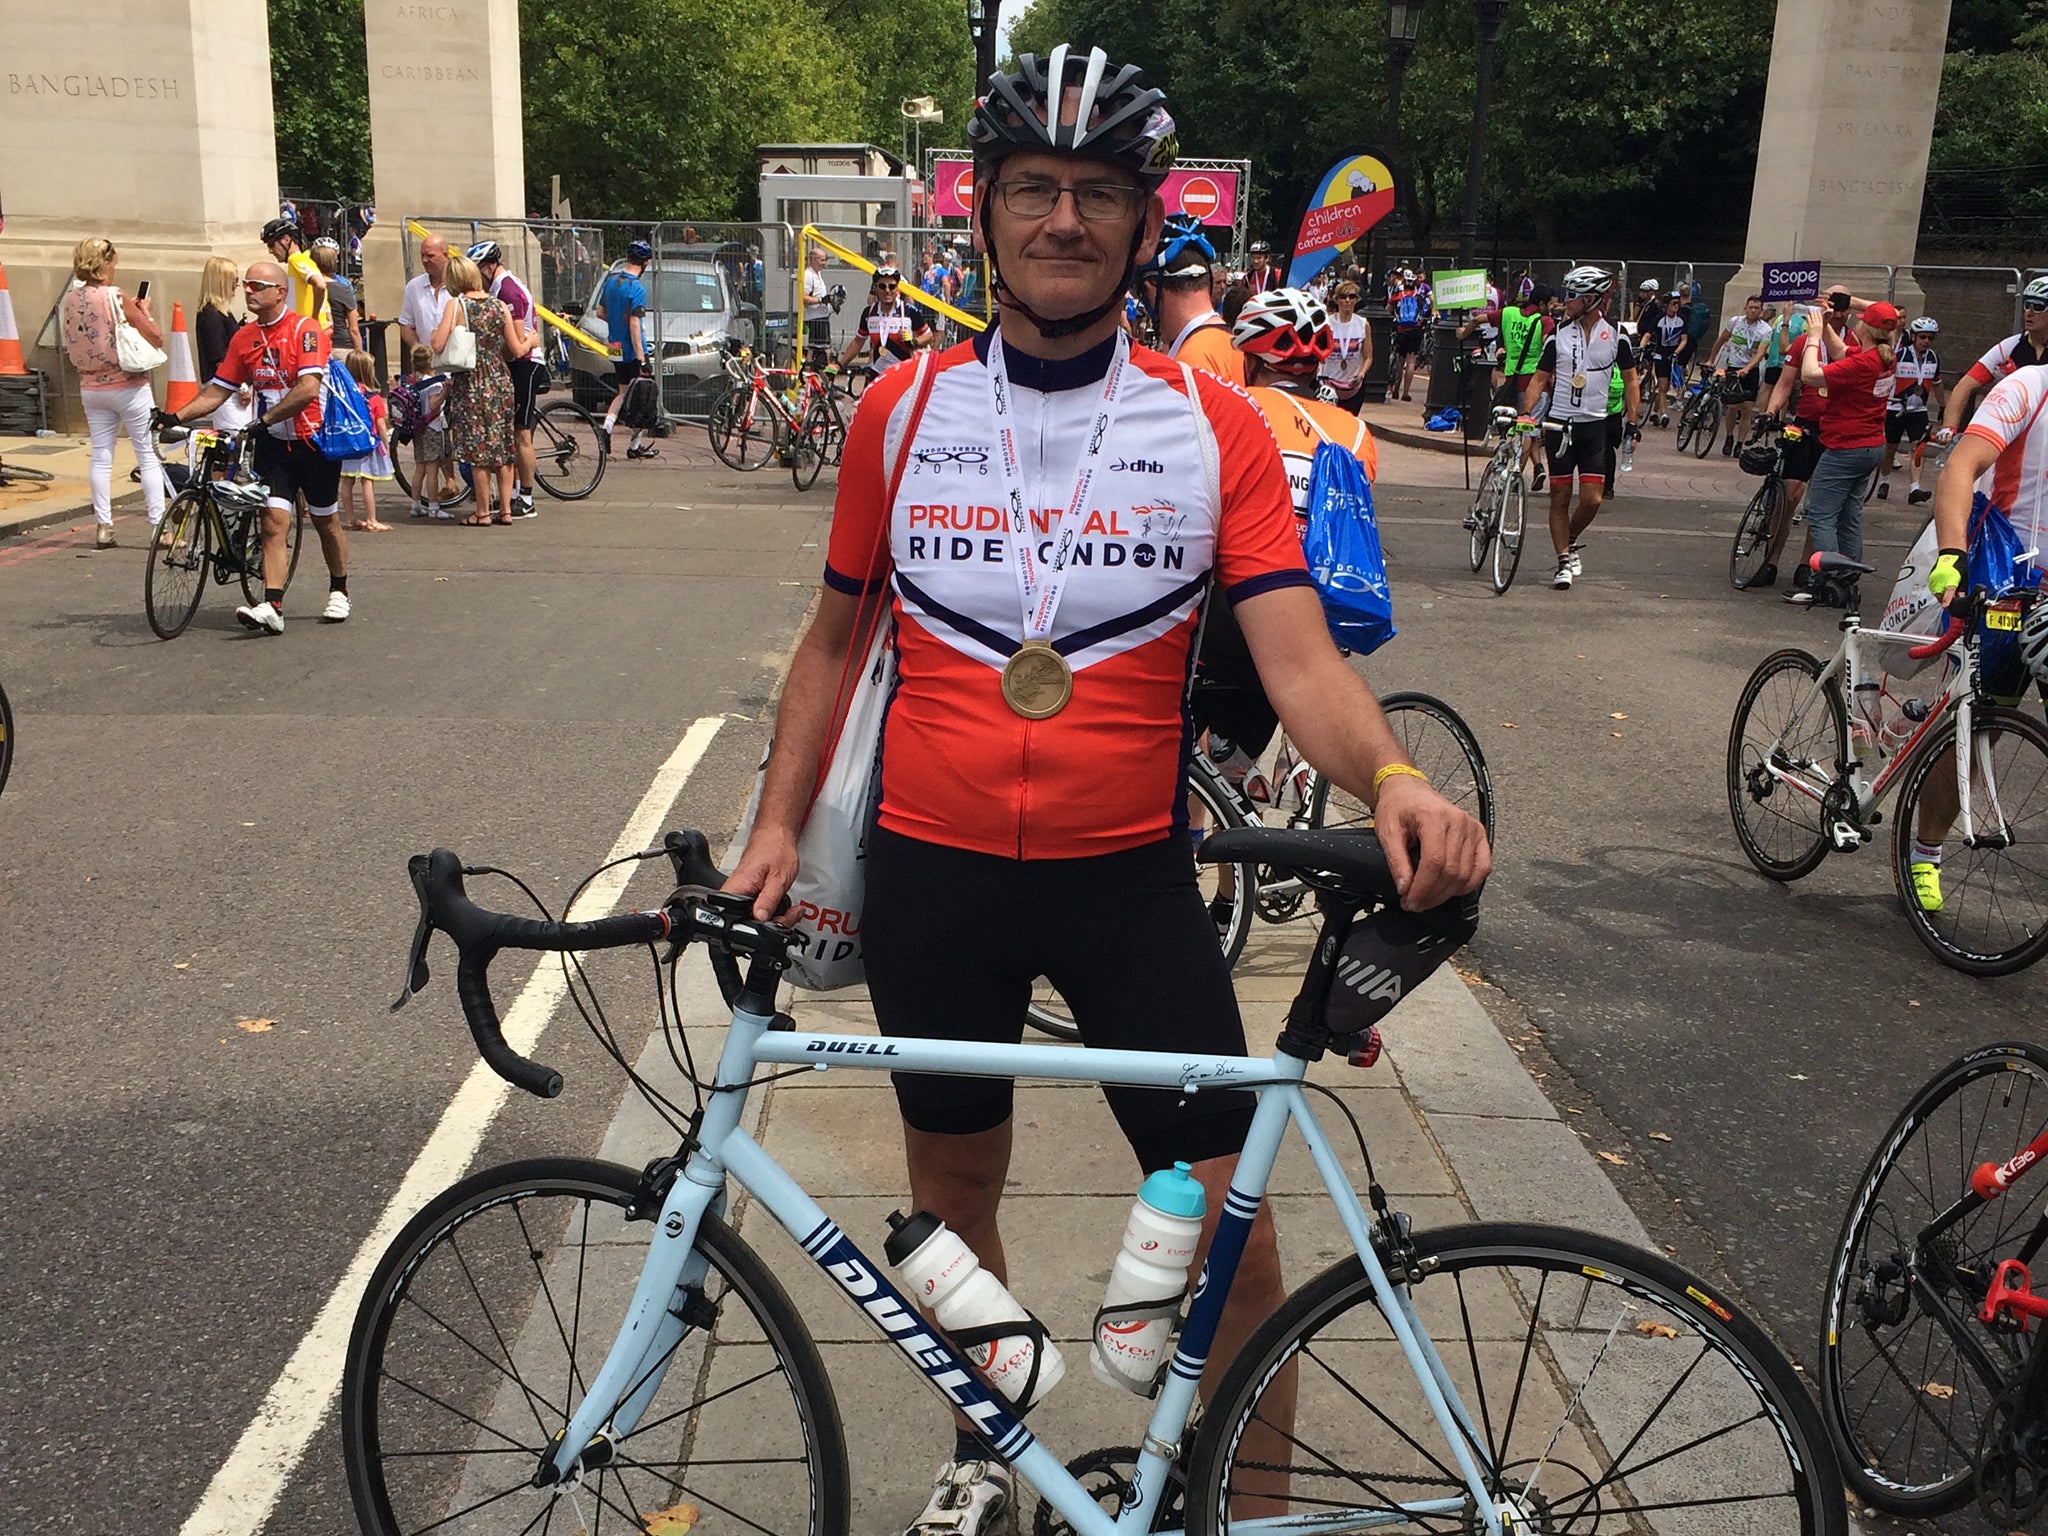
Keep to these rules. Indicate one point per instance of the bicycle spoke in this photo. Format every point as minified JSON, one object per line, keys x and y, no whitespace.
{"x":455,"y":1248}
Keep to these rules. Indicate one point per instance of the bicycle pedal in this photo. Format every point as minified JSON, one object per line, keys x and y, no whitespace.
{"x":1846,"y":836}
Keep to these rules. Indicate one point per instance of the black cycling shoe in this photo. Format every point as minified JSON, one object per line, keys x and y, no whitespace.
{"x":1767,"y":577}
{"x":1884,"y":490}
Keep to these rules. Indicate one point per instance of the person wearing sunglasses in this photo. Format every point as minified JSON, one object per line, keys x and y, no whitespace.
{"x":2029,"y":349}
{"x":890,"y":329}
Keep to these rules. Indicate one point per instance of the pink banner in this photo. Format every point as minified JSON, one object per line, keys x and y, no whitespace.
{"x":1210,"y":196}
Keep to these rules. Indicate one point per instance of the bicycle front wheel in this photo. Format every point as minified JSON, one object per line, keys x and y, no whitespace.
{"x":1708,"y":427}
{"x":569,"y":451}
{"x":809,"y":447}
{"x":1990,"y":917}
{"x":1603,"y":1389}
{"x":1482,"y":515}
{"x":1510,"y":509}
{"x":1753,"y":535}
{"x":742,"y":430}
{"x":1783,"y":745}
{"x":1440,"y":743}
{"x":176,"y":574}
{"x":486,"y":1321}
{"x":1229,"y":891}
{"x":1898,"y":1386}
{"x":1688,"y":424}
{"x":6,"y":738}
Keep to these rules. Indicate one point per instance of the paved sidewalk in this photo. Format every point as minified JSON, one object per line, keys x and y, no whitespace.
{"x":25,"y":507}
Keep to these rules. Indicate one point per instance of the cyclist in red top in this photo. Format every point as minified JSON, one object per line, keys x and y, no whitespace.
{"x":284,"y":357}
{"x":1048,"y":798}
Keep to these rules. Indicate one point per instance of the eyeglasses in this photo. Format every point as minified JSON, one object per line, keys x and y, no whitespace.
{"x":2034,"y":306}
{"x":248,"y":283}
{"x":1099,"y":202}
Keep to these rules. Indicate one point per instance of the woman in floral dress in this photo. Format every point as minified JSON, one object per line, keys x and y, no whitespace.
{"x":480,"y":399}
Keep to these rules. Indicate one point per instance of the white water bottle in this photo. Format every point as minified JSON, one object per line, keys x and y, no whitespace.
{"x":990,"y":1326}
{"x":1141,"y":1309}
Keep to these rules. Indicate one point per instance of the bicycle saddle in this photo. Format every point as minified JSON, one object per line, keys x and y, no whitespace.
{"x":1828,"y":563}
{"x":1350,"y":859}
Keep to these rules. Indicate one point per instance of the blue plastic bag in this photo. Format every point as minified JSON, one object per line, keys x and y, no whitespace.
{"x":1344,"y":555}
{"x":1996,"y":564}
{"x":344,"y":431}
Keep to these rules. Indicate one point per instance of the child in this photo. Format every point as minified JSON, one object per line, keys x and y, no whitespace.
{"x":433,"y":451}
{"x":363,"y":473}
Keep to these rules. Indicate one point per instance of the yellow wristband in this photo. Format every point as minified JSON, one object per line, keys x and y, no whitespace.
{"x":1391,"y":771}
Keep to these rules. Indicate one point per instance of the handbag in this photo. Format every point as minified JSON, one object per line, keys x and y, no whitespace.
{"x":830,"y":888}
{"x":138,"y":354}
{"x":459,"y":355}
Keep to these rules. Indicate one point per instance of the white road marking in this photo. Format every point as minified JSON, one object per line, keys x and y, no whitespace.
{"x":239,"y":1500}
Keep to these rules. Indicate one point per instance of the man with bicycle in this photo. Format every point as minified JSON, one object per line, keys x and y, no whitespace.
{"x":283,"y":355}
{"x":1573,"y":376}
{"x":1031,"y":768}
{"x":1738,"y":361}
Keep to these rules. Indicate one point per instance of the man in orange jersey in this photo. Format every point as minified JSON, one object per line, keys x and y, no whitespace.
{"x":1175,"y":286}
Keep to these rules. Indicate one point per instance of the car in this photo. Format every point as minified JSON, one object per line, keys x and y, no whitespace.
{"x":691,"y":309}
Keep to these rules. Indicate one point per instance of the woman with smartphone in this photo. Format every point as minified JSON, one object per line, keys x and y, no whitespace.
{"x":1858,"y":380}
{"x":114,"y":399}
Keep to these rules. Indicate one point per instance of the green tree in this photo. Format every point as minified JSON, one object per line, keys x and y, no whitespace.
{"x":320,"y":97}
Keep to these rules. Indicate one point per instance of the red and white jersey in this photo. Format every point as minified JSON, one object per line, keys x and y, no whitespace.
{"x":2013,"y":353}
{"x":1192,"y":487}
{"x":273,"y":358}
{"x":2017,"y":481}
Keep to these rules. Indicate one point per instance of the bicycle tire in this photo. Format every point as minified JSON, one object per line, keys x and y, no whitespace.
{"x":1869,"y":1319}
{"x":1439,"y":742}
{"x":1709,"y":425}
{"x":1988,"y":924}
{"x":409,"y":1437}
{"x":1688,"y":423}
{"x":808,"y":448}
{"x":1510,"y":523}
{"x":12,"y":472}
{"x":6,"y":738}
{"x":250,"y":569}
{"x":1238,"y":883}
{"x":570,"y":451}
{"x":1584,"y":1378}
{"x":455,"y":490}
{"x":1755,"y":534}
{"x":1481,"y":513}
{"x":174,"y":578}
{"x":735,"y":432}
{"x":1797,"y":843}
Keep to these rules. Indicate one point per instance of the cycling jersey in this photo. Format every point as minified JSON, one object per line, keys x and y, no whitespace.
{"x":2011,"y":353}
{"x":1301,"y":425}
{"x":1666,"y":332}
{"x":621,"y":297}
{"x":2012,"y":418}
{"x":308,"y":300}
{"x":1208,"y":348}
{"x":1916,"y":371}
{"x":273,"y":358}
{"x":1744,"y":337}
{"x":1579,"y":362}
{"x":889,"y":331}
{"x":513,"y":293}
{"x":1192,"y":489}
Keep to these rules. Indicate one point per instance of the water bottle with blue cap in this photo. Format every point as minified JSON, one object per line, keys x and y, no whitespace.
{"x":1140,"y":1311}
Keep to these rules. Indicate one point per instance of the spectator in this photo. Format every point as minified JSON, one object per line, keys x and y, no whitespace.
{"x":480,"y":398}
{"x":341,"y":297}
{"x":426,"y":298}
{"x":1344,"y":370}
{"x":215,"y":326}
{"x":1235,"y":298}
{"x":361,"y":474}
{"x":114,"y":399}
{"x":1858,"y":379}
{"x":433,"y":455}
{"x":817,"y":301}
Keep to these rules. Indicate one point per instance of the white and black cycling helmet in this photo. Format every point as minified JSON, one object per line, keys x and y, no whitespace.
{"x":2036,"y":292}
{"x":1082,"y":106}
{"x":484,"y":252}
{"x":325,"y":243}
{"x":2034,"y":641}
{"x":277,"y":229}
{"x":1287,"y":329}
{"x":1587,"y":282}
{"x":1647,"y":285}
{"x":1926,"y":325}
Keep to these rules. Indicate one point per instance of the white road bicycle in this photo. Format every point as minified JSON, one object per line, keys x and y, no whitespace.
{"x":1497,"y":519}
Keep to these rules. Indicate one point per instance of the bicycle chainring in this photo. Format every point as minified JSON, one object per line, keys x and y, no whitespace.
{"x":1109,"y":1475}
{"x":2012,"y":1482}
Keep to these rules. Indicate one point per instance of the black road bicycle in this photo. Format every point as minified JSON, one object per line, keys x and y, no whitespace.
{"x":1758,"y":532}
{"x":214,"y":524}
{"x":570,"y":451}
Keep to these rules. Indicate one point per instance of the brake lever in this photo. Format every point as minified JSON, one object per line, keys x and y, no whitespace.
{"x":416,"y":974}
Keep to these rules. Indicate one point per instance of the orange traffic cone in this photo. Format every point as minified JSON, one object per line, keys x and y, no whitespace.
{"x":182,"y":388}
{"x":11,"y":360}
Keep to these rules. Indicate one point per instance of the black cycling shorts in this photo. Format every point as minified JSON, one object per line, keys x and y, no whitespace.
{"x":1905,"y":427}
{"x":625,"y":371}
{"x":1803,"y":457}
{"x":1579,"y":448}
{"x":953,"y":941}
{"x":1771,"y":376}
{"x":527,"y":373}
{"x":1617,"y":425}
{"x":1407,"y":342}
{"x":1739,"y":386}
{"x":294,"y":469}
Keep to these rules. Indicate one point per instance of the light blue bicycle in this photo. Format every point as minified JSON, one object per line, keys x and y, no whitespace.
{"x":565,"y":1345}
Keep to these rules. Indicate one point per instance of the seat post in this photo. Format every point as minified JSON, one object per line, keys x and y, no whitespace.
{"x":1305,"y":1036}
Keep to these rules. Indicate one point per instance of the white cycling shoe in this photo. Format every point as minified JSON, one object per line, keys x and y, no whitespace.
{"x":969,"y":1498}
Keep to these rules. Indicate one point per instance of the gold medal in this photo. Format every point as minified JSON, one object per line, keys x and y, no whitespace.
{"x":1578,"y":381}
{"x":1037,"y":682}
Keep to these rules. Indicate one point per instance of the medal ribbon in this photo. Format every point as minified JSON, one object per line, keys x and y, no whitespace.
{"x":1039,"y":589}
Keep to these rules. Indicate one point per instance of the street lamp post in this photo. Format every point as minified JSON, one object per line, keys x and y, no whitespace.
{"x":1444,"y":373}
{"x":981,"y":27}
{"x":1404,"y":24}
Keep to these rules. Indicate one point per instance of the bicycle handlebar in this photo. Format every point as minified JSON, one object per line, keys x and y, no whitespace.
{"x":1972,"y":605}
{"x":696,"y":909}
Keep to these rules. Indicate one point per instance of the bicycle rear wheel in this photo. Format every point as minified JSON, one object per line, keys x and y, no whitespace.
{"x":1778,"y":818}
{"x":6,"y":738}
{"x":810,"y":445}
{"x":251,"y":570}
{"x":1755,"y":533}
{"x":1688,"y":424}
{"x":1510,"y":510}
{"x":1603,"y":1388}
{"x":453,"y":488}
{"x":1228,"y":889}
{"x":487,"y":1319}
{"x":1440,"y":743}
{"x":1898,"y":1388}
{"x":742,"y":430}
{"x":1993,"y":913}
{"x":569,"y":451}
{"x":175,"y":576}
{"x":1708,"y":428}
{"x":1482,"y":515}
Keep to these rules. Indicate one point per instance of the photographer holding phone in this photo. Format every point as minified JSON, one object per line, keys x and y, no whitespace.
{"x":1858,"y":380}
{"x":115,"y":399}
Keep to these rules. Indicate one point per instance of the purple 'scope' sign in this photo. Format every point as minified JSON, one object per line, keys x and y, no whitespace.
{"x":1785,"y":281}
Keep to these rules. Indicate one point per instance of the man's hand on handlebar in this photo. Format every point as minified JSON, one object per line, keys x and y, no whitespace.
{"x":1945,"y":577}
{"x":160,"y":419}
{"x":766,"y":871}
